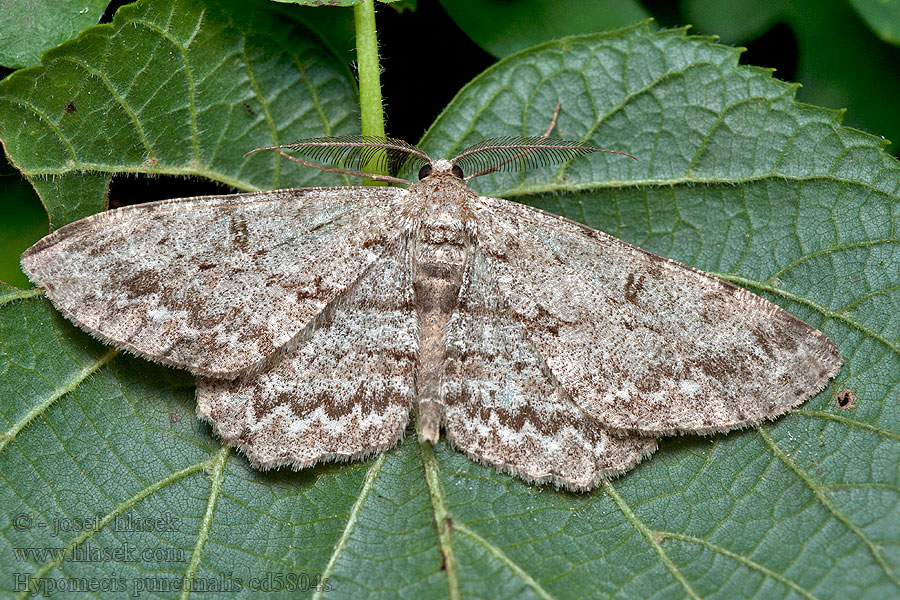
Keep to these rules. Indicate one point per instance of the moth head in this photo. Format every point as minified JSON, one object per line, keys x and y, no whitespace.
{"x":440,"y":168}
{"x":392,"y":156}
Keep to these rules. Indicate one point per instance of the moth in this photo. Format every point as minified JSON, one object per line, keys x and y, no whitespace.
{"x":319,"y":321}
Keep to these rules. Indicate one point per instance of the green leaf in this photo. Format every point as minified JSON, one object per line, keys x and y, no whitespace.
{"x":28,"y":27}
{"x":882,"y":16}
{"x":737,"y":179}
{"x":734,"y":177}
{"x":203,"y":85}
{"x":839,"y":60}
{"x":502,"y":27}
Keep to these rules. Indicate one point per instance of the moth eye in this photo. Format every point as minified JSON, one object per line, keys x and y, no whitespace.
{"x":457,"y":171}
{"x":425,"y":171}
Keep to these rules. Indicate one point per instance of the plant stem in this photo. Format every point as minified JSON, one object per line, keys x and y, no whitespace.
{"x":370,"y":103}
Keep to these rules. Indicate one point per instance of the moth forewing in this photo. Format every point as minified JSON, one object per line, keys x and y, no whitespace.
{"x":213,"y":284}
{"x":643,"y":343}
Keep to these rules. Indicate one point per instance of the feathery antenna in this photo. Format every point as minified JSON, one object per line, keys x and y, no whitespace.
{"x":352,"y":152}
{"x":520,"y":153}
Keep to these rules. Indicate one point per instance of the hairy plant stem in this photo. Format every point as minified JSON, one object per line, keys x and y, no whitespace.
{"x":370,"y":103}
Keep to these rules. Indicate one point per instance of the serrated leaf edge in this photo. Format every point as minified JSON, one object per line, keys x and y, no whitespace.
{"x":121,"y":20}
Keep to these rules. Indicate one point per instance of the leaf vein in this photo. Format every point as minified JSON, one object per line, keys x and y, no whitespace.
{"x":555,"y":187}
{"x":17,"y":294}
{"x":741,"y":559}
{"x":217,"y":468}
{"x":107,"y":518}
{"x":441,"y":519}
{"x":503,"y":558}
{"x":630,"y":96}
{"x":48,"y":122}
{"x":119,"y":99}
{"x":352,"y":520}
{"x":267,"y":111}
{"x":865,"y":485}
{"x":847,"y":421}
{"x":59,"y":392}
{"x":191,"y":86}
{"x":650,"y":536}
{"x":820,"y":493}
{"x":807,"y":256}
{"x":838,"y":316}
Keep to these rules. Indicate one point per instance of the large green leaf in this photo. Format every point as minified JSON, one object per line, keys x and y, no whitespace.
{"x":734,"y":177}
{"x":839,"y":60}
{"x":178,"y":88}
